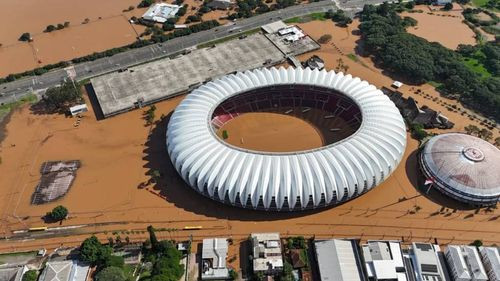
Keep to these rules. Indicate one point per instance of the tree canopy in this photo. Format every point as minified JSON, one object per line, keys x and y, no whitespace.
{"x":111,"y":273}
{"x":30,"y":275}
{"x":58,"y":213}
{"x":418,"y":60}
{"x":93,"y":252}
{"x":60,"y":98}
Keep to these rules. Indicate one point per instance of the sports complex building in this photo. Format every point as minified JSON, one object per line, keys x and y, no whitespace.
{"x":463,"y":167}
{"x":364,"y":139}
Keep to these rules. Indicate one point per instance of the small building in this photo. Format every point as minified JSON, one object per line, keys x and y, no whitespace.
{"x":291,"y":33}
{"x":267,"y":257}
{"x":397,"y":84}
{"x":338,"y":260}
{"x":64,"y":271}
{"x":273,"y":27}
{"x":314,"y":62}
{"x":428,"y":262}
{"x":77,"y":109}
{"x":213,"y":256}
{"x":491,"y":262}
{"x":220,"y":4}
{"x":465,"y":264}
{"x":384,"y":261}
{"x":161,"y":12}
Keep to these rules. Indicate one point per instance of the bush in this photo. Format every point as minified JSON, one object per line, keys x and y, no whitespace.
{"x":50,"y":28}
{"x":93,"y":252}
{"x":418,"y":132}
{"x":448,"y":6}
{"x":325,"y":38}
{"x":30,"y":275}
{"x":25,"y":37}
{"x":111,"y":273}
{"x":59,"y":213}
{"x":477,"y":243}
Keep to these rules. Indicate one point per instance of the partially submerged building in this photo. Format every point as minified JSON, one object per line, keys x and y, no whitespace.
{"x":314,"y":62}
{"x":161,"y":12}
{"x":291,"y":33}
{"x":465,"y":264}
{"x":339,"y":260}
{"x":428,"y":262}
{"x":267,"y":257}
{"x":414,"y":114}
{"x":56,"y":179}
{"x":64,"y":271}
{"x":213,"y":257}
{"x":491,"y":262}
{"x":384,"y":261}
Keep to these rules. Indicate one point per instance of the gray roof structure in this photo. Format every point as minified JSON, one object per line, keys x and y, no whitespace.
{"x":464,"y":167}
{"x":426,"y":262}
{"x":491,"y":261}
{"x":338,"y":260}
{"x":214,"y":253}
{"x":64,"y":271}
{"x":11,"y":274}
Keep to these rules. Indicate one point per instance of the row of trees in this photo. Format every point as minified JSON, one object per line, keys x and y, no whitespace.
{"x":339,"y":16}
{"x":419,"y":61}
{"x":59,"y":26}
{"x":249,"y":8}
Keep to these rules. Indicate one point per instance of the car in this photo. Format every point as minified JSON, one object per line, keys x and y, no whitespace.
{"x":243,"y":36}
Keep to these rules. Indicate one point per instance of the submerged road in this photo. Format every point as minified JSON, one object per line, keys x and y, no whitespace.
{"x":13,"y":91}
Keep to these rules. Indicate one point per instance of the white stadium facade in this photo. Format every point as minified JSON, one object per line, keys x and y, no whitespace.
{"x":371,"y":144}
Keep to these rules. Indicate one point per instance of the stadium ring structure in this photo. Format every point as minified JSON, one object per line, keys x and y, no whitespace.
{"x":286,"y":181}
{"x":463,"y":167}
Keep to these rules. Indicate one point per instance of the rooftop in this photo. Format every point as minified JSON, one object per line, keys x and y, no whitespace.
{"x":266,"y":252}
{"x":338,"y":260}
{"x":160,"y":12}
{"x":214,"y":254}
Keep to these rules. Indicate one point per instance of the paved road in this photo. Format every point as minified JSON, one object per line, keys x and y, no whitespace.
{"x":14,"y":90}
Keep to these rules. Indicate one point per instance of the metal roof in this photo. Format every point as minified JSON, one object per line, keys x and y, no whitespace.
{"x":464,"y":163}
{"x":325,"y":175}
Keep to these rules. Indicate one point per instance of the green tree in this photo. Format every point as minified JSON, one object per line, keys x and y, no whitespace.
{"x":287,"y":272}
{"x":25,"y":37}
{"x":472,"y":130}
{"x":485,"y":134}
{"x":114,"y":261}
{"x":59,"y":213}
{"x":477,"y":243}
{"x":111,"y":273}
{"x":497,"y":141}
{"x":93,"y":252}
{"x":233,"y":274}
{"x":418,"y":132}
{"x":64,"y":96}
{"x":448,"y":6}
{"x":152,"y":238}
{"x":30,"y":275}
{"x":50,"y":28}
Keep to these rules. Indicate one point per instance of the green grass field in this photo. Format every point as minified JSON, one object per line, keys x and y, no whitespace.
{"x":307,"y":18}
{"x":6,"y":108}
{"x":479,"y":3}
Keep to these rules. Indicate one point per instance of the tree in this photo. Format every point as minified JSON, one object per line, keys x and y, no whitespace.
{"x":61,"y":98}
{"x":111,"y":273}
{"x":59,"y":213}
{"x":472,"y":130}
{"x":25,"y":37}
{"x":50,"y":28}
{"x":448,"y":6}
{"x":418,"y":132}
{"x":497,"y":141}
{"x":477,"y":243}
{"x":145,"y":3}
{"x":485,"y":134}
{"x":93,"y":252}
{"x":114,"y":261}
{"x":30,"y":275}
{"x":152,"y":238}
{"x":410,"y":5}
{"x":60,"y":26}
{"x":233,"y":274}
{"x":287,"y":272}
{"x":325,"y":38}
{"x":66,"y":23}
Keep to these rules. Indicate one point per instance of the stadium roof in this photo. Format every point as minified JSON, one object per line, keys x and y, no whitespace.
{"x":464,"y":165}
{"x":323,"y":176}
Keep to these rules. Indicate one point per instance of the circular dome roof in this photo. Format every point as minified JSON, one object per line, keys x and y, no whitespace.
{"x":464,"y":163}
{"x":286,"y":180}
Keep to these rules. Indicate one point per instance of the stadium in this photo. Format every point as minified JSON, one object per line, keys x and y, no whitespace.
{"x":462,"y":167}
{"x":364,"y":138}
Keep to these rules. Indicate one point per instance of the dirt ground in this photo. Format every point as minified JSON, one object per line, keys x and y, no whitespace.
{"x":272,"y":132}
{"x":113,"y":190}
{"x":444,"y":27}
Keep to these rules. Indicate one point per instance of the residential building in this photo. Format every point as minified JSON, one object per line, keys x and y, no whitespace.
{"x":384,"y":261}
{"x":221,"y":4}
{"x":491,"y":262}
{"x":12,"y":274}
{"x":161,"y":12}
{"x":339,"y":260}
{"x":64,"y":271}
{"x":267,"y":257}
{"x":213,"y":256}
{"x":456,"y":261}
{"x":428,"y":262}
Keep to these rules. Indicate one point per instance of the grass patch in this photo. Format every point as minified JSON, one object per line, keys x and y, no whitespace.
{"x":434,"y":84}
{"x":475,"y":65}
{"x":479,"y":3}
{"x":307,"y":18}
{"x":353,"y":57}
{"x":228,"y":38}
{"x":6,"y":108}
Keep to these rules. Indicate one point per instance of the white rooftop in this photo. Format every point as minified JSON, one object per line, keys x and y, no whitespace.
{"x":64,"y":271}
{"x":384,"y":260}
{"x":266,"y":251}
{"x":214,"y":254}
{"x":337,"y":260}
{"x":491,"y":259}
{"x":273,"y":27}
{"x":160,"y":12}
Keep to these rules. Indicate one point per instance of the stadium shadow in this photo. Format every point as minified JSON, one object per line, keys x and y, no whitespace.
{"x":417,"y":180}
{"x":173,"y":188}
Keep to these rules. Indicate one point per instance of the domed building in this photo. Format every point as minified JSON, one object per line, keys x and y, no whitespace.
{"x":368,"y":139}
{"x":463,"y":167}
